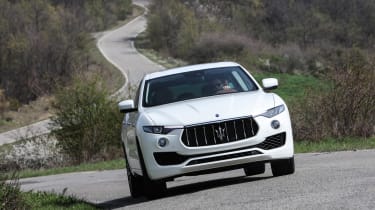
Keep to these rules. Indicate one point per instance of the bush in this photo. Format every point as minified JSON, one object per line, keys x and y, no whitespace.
{"x":172,"y":27}
{"x":4,"y":104}
{"x":10,"y":194}
{"x":43,"y":42}
{"x":32,"y":153}
{"x":88,"y":122}
{"x":213,"y":46}
{"x":346,"y":109}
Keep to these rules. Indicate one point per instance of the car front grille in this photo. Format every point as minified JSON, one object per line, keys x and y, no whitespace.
{"x":219,"y":132}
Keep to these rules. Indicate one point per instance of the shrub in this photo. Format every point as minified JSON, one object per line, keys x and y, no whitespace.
{"x":347,"y":108}
{"x":172,"y":27}
{"x":4,"y":104}
{"x":216,"y":45}
{"x":88,"y":122}
{"x":32,"y":153}
{"x":10,"y":194}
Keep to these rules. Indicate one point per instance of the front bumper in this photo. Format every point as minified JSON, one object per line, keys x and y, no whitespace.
{"x":176,"y":159}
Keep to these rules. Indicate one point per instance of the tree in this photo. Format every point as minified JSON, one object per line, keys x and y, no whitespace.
{"x":43,"y":42}
{"x":3,"y":103}
{"x":87,"y":121}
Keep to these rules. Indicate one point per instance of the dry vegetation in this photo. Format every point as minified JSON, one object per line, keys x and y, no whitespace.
{"x":44,"y":44}
{"x":46,"y":58}
{"x":316,"y":38}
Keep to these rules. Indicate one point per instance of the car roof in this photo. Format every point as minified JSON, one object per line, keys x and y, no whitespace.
{"x":189,"y":68}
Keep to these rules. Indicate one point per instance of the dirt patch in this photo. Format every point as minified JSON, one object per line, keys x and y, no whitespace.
{"x":35,"y":111}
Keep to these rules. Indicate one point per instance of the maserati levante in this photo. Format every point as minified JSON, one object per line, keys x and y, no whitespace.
{"x":201,"y":119}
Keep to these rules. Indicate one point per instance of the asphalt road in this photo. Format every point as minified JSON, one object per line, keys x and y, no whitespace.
{"x":339,"y":180}
{"x":117,"y":46}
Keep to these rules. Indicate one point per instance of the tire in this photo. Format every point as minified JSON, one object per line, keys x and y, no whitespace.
{"x":154,"y":189}
{"x":151,"y":188}
{"x":135,"y":182}
{"x":254,"y":169}
{"x":283,"y":167}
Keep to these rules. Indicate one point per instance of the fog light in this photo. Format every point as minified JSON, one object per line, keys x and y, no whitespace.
{"x":163,"y":142}
{"x":275,"y":124}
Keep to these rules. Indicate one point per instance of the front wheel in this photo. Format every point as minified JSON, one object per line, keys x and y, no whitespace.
{"x":151,"y":188}
{"x":154,"y":189}
{"x":135,"y":181}
{"x":282,"y":167}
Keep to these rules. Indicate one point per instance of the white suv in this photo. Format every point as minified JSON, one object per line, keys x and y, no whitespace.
{"x":200,"y":119}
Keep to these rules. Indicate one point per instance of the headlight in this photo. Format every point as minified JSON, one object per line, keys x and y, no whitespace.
{"x":273,"y":112}
{"x":159,"y":129}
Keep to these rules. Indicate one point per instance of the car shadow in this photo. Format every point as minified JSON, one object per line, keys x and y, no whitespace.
{"x":180,"y":190}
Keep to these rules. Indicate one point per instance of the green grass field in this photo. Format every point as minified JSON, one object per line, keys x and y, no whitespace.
{"x":99,"y":166}
{"x":332,"y":145}
{"x":293,"y":87}
{"x":49,"y":201}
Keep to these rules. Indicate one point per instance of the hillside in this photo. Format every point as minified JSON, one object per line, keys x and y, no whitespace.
{"x":44,"y":44}
{"x":331,"y":41}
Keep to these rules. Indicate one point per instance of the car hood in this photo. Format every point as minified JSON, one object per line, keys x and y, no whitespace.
{"x":212,"y":108}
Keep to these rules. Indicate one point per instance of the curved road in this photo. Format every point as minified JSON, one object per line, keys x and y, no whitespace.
{"x":118,"y":48}
{"x":340,"y":180}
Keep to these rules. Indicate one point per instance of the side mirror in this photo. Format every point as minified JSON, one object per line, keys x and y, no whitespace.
{"x":270,"y":83}
{"x":127,"y":106}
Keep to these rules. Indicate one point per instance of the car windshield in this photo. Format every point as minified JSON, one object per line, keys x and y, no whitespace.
{"x":196,"y":84}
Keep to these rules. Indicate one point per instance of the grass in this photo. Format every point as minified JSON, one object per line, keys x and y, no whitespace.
{"x":11,"y":197}
{"x":44,"y":201}
{"x":22,"y":115}
{"x":293,"y":87}
{"x":332,"y":145}
{"x":99,"y":166}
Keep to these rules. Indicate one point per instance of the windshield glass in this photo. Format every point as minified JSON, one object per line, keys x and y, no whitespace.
{"x":196,"y":84}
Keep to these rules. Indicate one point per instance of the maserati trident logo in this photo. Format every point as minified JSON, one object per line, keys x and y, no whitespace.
{"x":220,"y":133}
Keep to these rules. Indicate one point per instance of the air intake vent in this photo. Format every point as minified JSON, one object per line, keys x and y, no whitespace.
{"x":273,"y":142}
{"x":224,"y":157}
